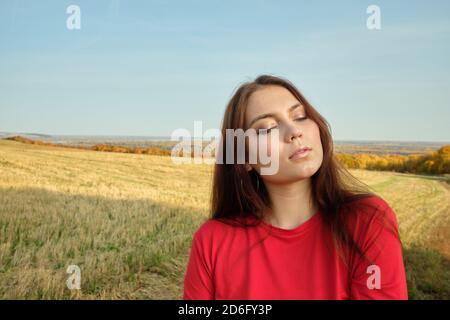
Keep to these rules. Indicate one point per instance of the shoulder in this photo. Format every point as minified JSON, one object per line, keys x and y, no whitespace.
{"x":216,"y":231}
{"x":209,"y":227}
{"x":371,"y":217}
{"x":372,"y":201}
{"x":213,"y":230}
{"x":371,"y":209}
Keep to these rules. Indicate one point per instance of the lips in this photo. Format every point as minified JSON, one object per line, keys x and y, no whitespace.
{"x":300,"y":151}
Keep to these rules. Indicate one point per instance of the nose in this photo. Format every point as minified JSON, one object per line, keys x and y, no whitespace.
{"x":293,"y":132}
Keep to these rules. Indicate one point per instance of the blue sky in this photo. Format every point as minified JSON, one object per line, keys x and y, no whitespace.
{"x":150,"y":67}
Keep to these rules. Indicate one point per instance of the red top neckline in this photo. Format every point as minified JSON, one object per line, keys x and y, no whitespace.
{"x":299,"y":230}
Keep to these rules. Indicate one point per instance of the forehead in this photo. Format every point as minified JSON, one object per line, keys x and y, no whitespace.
{"x":271,"y":99}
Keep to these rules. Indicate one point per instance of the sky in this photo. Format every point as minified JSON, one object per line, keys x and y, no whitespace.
{"x":147,"y":68}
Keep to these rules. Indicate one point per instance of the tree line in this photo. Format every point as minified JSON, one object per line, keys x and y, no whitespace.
{"x":436,"y":162}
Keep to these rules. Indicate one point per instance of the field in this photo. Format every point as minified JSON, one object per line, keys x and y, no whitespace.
{"x":127,"y":220}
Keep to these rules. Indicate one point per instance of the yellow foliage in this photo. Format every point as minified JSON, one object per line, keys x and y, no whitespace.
{"x":431,"y":163}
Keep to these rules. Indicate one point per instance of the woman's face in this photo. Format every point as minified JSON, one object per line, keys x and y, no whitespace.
{"x":275,"y":107}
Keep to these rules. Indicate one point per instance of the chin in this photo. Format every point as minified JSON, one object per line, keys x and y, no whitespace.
{"x":306,"y":171}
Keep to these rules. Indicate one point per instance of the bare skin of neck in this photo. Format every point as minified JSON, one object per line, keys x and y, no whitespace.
{"x":292,"y":204}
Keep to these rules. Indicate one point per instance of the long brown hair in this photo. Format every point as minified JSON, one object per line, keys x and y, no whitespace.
{"x":237,"y":193}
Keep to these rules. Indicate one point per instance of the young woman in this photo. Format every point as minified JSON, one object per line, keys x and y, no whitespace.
{"x":309,"y":231}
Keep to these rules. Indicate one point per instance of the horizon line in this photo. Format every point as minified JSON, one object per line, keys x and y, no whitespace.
{"x":168,"y":137}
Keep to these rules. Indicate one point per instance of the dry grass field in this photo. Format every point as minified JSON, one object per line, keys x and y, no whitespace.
{"x":127,"y":221}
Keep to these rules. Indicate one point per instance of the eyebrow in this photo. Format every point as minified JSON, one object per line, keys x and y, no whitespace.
{"x":269,"y":115}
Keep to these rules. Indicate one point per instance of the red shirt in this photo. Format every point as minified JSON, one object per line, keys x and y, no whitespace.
{"x":231,"y":262}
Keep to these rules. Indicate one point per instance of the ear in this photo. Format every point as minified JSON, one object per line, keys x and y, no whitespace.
{"x":248,"y":167}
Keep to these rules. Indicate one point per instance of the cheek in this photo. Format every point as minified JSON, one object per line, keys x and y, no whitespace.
{"x":317,"y":142}
{"x":314,"y":134}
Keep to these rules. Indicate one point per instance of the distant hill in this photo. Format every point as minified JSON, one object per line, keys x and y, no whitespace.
{"x":25,"y":134}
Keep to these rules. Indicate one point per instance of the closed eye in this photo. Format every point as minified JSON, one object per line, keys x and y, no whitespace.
{"x":266,"y":131}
